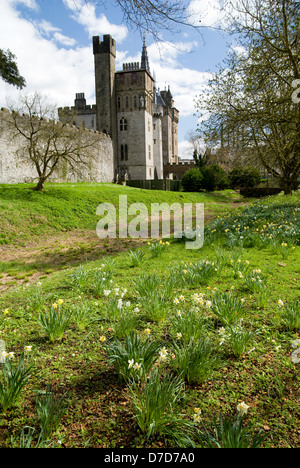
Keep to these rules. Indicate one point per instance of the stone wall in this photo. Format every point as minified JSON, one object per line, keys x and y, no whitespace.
{"x":16,"y":169}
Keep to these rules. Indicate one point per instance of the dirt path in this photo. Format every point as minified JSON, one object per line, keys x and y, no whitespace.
{"x":43,"y":256}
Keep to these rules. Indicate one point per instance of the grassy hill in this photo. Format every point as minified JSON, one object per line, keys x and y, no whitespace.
{"x":224,"y":320}
{"x":26,"y":214}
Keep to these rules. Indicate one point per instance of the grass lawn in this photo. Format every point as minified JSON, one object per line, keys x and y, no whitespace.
{"x":137,"y":345}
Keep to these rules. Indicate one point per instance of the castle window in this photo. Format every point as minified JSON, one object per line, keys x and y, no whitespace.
{"x":127,"y":101}
{"x":124,"y":152}
{"x":123,"y":125}
{"x":149,"y":151}
{"x":135,"y":101}
{"x":119,"y":102}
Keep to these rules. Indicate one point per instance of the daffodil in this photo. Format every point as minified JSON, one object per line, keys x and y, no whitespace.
{"x":130,"y":363}
{"x":242,"y":408}
{"x":137,"y":366}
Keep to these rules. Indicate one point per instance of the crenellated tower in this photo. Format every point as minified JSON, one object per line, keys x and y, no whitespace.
{"x":105,"y":67}
{"x":140,"y":119}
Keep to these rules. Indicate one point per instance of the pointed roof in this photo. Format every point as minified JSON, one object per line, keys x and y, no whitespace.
{"x":145,"y":61}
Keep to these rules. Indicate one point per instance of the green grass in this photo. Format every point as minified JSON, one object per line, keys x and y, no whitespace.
{"x":253,"y":355}
{"x":27,"y":214}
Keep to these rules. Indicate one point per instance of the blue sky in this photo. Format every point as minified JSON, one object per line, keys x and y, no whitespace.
{"x":52,"y":40}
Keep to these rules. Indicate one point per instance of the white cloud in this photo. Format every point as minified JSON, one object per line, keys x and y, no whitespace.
{"x":85,"y":14}
{"x":27,"y":3}
{"x":185,"y":149}
{"x":64,"y":40}
{"x":206,"y":13}
{"x":185,"y":83}
{"x":52,"y":70}
{"x":53,"y":64}
{"x":52,"y":32}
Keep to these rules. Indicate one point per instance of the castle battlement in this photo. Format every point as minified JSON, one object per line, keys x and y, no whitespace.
{"x":181,"y":163}
{"x":133,"y":66}
{"x":88,"y":107}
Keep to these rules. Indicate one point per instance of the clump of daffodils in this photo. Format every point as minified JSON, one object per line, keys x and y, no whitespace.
{"x":197,"y":413}
{"x":163,"y":355}
{"x":134,"y":365}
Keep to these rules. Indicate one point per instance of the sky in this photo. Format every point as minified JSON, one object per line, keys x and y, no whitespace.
{"x":52,"y":42}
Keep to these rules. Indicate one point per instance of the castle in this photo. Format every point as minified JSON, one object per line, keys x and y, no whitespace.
{"x":140,"y":119}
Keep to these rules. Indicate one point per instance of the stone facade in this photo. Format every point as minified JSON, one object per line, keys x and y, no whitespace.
{"x":14,"y":168}
{"x":141,"y":121}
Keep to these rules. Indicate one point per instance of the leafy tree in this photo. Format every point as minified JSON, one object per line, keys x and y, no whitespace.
{"x":252,"y":105}
{"x":192,"y":180}
{"x":214,"y":178}
{"x":244,"y":177}
{"x":9,"y":70}
{"x":46,"y":143}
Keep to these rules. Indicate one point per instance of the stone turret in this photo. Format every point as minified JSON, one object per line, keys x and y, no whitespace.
{"x":105,"y":57}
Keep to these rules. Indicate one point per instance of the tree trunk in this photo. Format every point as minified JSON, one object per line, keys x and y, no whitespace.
{"x":40,"y":185}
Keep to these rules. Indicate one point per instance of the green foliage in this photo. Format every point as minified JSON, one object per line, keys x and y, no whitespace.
{"x":244,"y":177}
{"x":14,"y":379}
{"x":229,"y":432}
{"x":192,"y":180}
{"x":190,"y":325}
{"x":214,"y":178}
{"x":83,"y":315}
{"x":126,"y":324}
{"x":50,"y":410}
{"x":291,"y":316}
{"x":227,"y":308}
{"x":54,"y":323}
{"x":239,"y":339}
{"x":195,"y":361}
{"x":194,"y":274}
{"x":154,"y":295}
{"x":154,"y":402}
{"x":157,"y":248}
{"x":135,"y":257}
{"x":134,"y":357}
{"x":78,"y":279}
{"x":9,"y":70}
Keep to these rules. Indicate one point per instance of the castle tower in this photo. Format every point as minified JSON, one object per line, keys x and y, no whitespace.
{"x":134,"y":98}
{"x":105,"y":56}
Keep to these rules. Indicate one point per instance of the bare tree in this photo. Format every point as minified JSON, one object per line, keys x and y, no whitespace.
{"x":152,"y":16}
{"x":251,"y":104}
{"x":47,"y":143}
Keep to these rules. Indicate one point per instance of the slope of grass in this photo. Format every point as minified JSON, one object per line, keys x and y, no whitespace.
{"x":262,"y":372}
{"x":26,"y":214}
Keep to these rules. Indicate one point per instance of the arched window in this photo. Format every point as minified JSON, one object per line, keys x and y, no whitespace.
{"x":123,"y":125}
{"x":127,"y":101}
{"x":119,"y":102}
{"x":124,"y":152}
{"x":135,"y":101}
